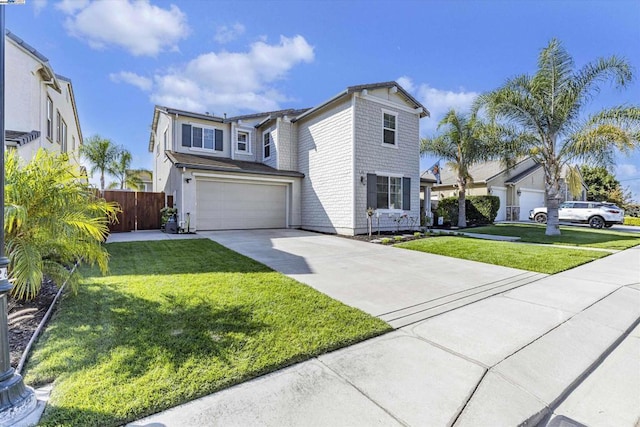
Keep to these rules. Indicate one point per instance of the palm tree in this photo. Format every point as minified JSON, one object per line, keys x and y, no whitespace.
{"x":465,"y":141}
{"x":100,"y":152}
{"x":52,"y":219}
{"x":546,"y":111}
{"x":120,"y":168}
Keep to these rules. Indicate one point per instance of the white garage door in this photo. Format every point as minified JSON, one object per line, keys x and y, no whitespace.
{"x":238,"y":205}
{"x":530,"y":199}
{"x":501,"y":193}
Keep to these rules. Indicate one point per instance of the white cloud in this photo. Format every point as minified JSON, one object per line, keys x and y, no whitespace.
{"x":438,"y":101}
{"x":138,"y":27}
{"x":406,"y":83}
{"x":71,"y":6}
{"x":134,"y":79}
{"x":232,"y":81}
{"x":38,"y":5}
{"x":226,"y":34}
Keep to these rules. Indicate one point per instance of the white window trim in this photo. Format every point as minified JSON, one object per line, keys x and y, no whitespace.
{"x":249,"y":133}
{"x":270,"y":144}
{"x":202,"y":149}
{"x":49,"y":118}
{"x":395,"y":131}
{"x":389,"y":210}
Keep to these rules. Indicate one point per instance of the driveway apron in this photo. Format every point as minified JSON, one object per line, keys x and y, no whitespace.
{"x":374,"y":278}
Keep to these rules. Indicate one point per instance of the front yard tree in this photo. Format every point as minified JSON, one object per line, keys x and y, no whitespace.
{"x":463,"y":142}
{"x":120,"y":168}
{"x":52,"y":220}
{"x":100,"y":152}
{"x":602,"y":186}
{"x":546,"y":111}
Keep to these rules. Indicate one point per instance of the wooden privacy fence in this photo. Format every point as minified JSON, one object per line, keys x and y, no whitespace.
{"x":140,"y":210}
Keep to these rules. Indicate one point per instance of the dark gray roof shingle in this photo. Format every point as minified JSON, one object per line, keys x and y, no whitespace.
{"x":193,"y":161}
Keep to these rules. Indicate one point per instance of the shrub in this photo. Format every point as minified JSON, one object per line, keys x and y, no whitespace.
{"x":52,"y":220}
{"x":385,"y":240}
{"x":417,"y":234}
{"x":479,"y":209}
{"x":398,"y":238}
{"x":633,"y":210}
{"x":629,"y":220}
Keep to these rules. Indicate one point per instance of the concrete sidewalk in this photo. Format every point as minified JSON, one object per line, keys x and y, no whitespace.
{"x":518,"y":357}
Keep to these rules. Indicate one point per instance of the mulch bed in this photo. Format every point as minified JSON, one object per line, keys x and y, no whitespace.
{"x":20,"y":334}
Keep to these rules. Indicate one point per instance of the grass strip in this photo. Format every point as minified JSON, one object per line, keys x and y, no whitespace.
{"x":541,"y":259}
{"x":571,"y":236}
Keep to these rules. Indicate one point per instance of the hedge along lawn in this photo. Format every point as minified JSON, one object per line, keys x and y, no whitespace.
{"x":175,"y":320}
{"x":541,"y":259}
{"x":571,"y":235}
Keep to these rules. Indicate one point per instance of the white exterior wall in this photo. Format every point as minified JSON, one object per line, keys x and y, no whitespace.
{"x":161,"y":164}
{"x":272,"y":161}
{"x":26,"y":104}
{"x":325,"y":157}
{"x":374,"y":157}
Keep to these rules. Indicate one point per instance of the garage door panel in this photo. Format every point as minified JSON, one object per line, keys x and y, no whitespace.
{"x":225,"y":205}
{"x":528,"y":201}
{"x":501,"y":193}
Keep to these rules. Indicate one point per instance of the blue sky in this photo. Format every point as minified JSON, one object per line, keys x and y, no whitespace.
{"x":244,"y":56}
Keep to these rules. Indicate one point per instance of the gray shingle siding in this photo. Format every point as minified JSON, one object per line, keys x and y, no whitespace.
{"x":325,"y":156}
{"x":373,"y":157}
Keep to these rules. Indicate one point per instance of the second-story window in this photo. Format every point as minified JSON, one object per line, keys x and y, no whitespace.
{"x":389,"y":128}
{"x":58,"y":127}
{"x":49,"y":118}
{"x":63,"y":136}
{"x":243,"y":139}
{"x":202,"y":138}
{"x":266,"y":145}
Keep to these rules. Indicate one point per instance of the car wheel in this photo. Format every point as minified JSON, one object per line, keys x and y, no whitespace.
{"x":540,"y":218}
{"x":596,"y":222}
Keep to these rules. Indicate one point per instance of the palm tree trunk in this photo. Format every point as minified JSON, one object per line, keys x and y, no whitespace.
{"x":462,"y":209}
{"x":552,"y":196}
{"x":102,"y":180}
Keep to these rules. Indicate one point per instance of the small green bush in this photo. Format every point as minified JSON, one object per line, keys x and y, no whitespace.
{"x":632,"y":210}
{"x":385,"y":240}
{"x":479,"y":209}
{"x":630,"y":220}
{"x":398,"y":238}
{"x":417,"y":234}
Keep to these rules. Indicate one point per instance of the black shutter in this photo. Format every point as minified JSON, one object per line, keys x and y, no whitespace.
{"x":186,"y":135}
{"x":372,"y":191}
{"x":406,"y":194}
{"x":218,"y":145}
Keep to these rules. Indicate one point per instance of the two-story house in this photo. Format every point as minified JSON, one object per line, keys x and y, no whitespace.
{"x":318,"y":169}
{"x":40,"y":105}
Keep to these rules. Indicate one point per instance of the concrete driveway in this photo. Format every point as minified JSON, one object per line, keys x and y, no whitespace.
{"x":400,"y":286}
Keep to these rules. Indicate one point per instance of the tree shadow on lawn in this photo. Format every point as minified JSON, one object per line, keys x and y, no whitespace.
{"x":570,"y":235}
{"x":105,"y":340}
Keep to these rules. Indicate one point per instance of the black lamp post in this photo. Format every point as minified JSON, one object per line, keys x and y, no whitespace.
{"x":16,"y":400}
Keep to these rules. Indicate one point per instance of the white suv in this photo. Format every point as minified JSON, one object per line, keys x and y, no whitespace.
{"x":596,"y":214}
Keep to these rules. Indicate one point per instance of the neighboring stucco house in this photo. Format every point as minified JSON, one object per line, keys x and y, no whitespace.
{"x":520,"y":188}
{"x":317,"y":169}
{"x":40,"y":105}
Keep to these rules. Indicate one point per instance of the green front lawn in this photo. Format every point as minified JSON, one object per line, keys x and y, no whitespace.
{"x":572,"y":236}
{"x":541,"y":259}
{"x":175,"y":320}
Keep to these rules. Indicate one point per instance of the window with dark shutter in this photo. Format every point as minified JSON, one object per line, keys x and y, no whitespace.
{"x":219,"y":145}
{"x":372,"y":191}
{"x":406,"y":194}
{"x":186,"y":135}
